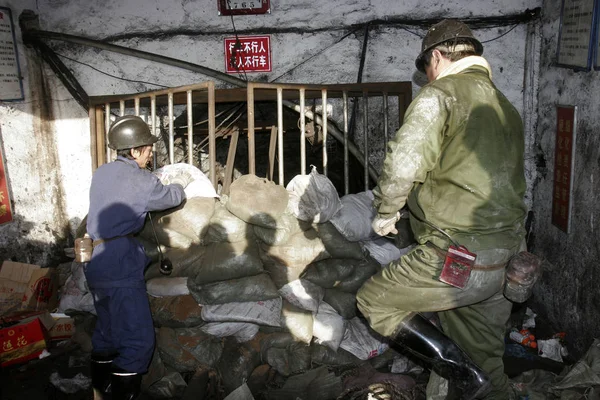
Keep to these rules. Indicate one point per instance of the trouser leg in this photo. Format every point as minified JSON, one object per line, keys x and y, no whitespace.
{"x":479,"y":329}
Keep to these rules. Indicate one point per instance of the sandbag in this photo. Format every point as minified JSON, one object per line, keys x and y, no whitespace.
{"x":336,"y":244}
{"x":251,"y":288}
{"x":200,"y":186}
{"x":354,"y":219}
{"x":363,"y":271}
{"x":267,"y":312}
{"x":343,"y":303}
{"x":297,"y":321}
{"x":226,"y":227}
{"x":175,"y":311}
{"x":286,"y":226}
{"x":302,"y":248}
{"x":237,"y":363}
{"x":346,"y":275}
{"x":170,"y":386}
{"x":303,"y":294}
{"x":225,"y":261}
{"x":167,"y":286}
{"x":240,"y":331}
{"x":313,"y":197}
{"x":268,"y":200}
{"x":315,"y":384}
{"x":284,"y":354}
{"x":328,"y":326}
{"x":323,"y":355}
{"x":75,"y":294}
{"x":384,"y":250}
{"x":282,"y":274}
{"x":362,"y":341}
{"x":185,"y":262}
{"x":186,"y":349}
{"x":181,"y":226}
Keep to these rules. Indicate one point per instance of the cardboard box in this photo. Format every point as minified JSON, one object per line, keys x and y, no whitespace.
{"x":64,"y":327}
{"x":27,"y":287}
{"x":25,"y":340}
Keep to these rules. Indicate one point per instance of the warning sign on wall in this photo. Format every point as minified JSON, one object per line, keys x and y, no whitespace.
{"x":566,"y":129}
{"x":11,"y":87}
{"x":248,"y":54}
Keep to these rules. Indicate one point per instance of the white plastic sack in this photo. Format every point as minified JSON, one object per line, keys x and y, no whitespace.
{"x":166,"y":286}
{"x":267,"y":312}
{"x":354,"y":219}
{"x":199,"y":187}
{"x":242,"y":331}
{"x":328,"y":326}
{"x":362,"y":341}
{"x":313,"y":197}
{"x":303,"y":294}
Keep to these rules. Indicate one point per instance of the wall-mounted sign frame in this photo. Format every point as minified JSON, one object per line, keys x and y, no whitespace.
{"x":248,"y":54}
{"x":564,"y":165}
{"x":11,"y":84}
{"x":244,"y":7}
{"x":575,"y":39}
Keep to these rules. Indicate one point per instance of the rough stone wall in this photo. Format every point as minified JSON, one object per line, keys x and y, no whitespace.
{"x":568,"y":294}
{"x":46,"y":137}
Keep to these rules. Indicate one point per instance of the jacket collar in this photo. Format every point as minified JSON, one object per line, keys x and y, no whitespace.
{"x":464,"y":63}
{"x":127,"y":161}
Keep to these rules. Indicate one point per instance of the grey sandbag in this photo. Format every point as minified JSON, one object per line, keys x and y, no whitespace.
{"x":282,"y":274}
{"x":176,"y":311}
{"x":185,"y":262}
{"x":226,"y":227}
{"x":316,"y":384}
{"x":257,"y":201}
{"x":298,"y":322}
{"x":289,"y":360}
{"x":302,"y":248}
{"x":342,"y":302}
{"x":186,"y":349}
{"x":251,"y":288}
{"x":181,"y":226}
{"x":237,"y":362}
{"x":286,"y":226}
{"x":167,"y":286}
{"x":225,"y":261}
{"x":354,"y":219}
{"x":170,"y":386}
{"x":323,"y":355}
{"x":346,"y":275}
{"x":336,"y":244}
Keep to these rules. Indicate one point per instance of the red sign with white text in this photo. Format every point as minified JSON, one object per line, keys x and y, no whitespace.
{"x":5,"y":210}
{"x":563,"y":167}
{"x":248,"y":54}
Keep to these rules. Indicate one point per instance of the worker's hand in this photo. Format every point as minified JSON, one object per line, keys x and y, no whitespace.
{"x":385,"y":226}
{"x":183,"y":179}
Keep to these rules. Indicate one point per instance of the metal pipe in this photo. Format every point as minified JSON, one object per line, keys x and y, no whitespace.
{"x":137,"y":106}
{"x":190,"y":123}
{"x":106,"y":129}
{"x":366,"y":138}
{"x":302,"y":133}
{"x":212,"y":143}
{"x":171,"y":131}
{"x":324,"y":116}
{"x":122,"y":108}
{"x":346,"y":161}
{"x":153,"y":119}
{"x":280,"y":133}
{"x":251,"y":150}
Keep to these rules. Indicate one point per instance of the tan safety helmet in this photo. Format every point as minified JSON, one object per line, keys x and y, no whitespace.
{"x":444,"y":31}
{"x":128,"y":132}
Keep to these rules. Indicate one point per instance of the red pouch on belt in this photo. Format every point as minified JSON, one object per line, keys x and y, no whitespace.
{"x":457,"y":266}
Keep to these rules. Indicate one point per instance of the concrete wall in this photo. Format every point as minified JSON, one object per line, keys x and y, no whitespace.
{"x":568,"y":294}
{"x":46,"y":137}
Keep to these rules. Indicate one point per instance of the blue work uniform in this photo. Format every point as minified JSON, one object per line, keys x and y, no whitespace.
{"x":121,"y":195}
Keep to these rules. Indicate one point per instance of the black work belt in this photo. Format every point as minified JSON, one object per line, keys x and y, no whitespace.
{"x":100,"y":241}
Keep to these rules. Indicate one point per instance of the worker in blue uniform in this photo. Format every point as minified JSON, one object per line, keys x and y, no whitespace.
{"x":121,"y":194}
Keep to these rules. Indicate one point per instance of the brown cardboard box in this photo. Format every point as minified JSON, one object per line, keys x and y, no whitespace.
{"x":64,"y":327}
{"x":27,"y":287}
{"x":25,"y":340}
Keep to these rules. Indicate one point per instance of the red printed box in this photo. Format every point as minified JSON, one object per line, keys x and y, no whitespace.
{"x":64,"y":327}
{"x":26,"y":340}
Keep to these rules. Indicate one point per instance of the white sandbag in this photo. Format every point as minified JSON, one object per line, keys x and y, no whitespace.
{"x":362,"y":341}
{"x":200,"y":185}
{"x":303,"y":294}
{"x":226,"y":227}
{"x":302,"y":248}
{"x":267,"y":312}
{"x":354,"y":219}
{"x":72,"y":298}
{"x":328,"y":326}
{"x":167,"y":286}
{"x":383,"y":250}
{"x":313,"y":197}
{"x":242,"y":331}
{"x":297,"y":321}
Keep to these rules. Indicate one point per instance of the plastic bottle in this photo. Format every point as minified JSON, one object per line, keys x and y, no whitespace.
{"x":526,"y":339}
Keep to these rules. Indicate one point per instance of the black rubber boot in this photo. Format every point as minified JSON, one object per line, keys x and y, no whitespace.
{"x":466,"y":381}
{"x":125,"y":385}
{"x":101,"y":369}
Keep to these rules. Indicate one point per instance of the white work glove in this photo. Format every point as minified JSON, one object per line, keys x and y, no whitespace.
{"x":385,"y":226}
{"x":183,"y":179}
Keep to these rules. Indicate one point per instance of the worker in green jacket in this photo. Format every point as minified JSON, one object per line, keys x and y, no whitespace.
{"x":457,"y":164}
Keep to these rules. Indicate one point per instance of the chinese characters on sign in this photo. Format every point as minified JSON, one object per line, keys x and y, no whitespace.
{"x":5,"y":210}
{"x":248,"y":54}
{"x":563,"y":166}
{"x":10,"y":77}
{"x":574,"y":43}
